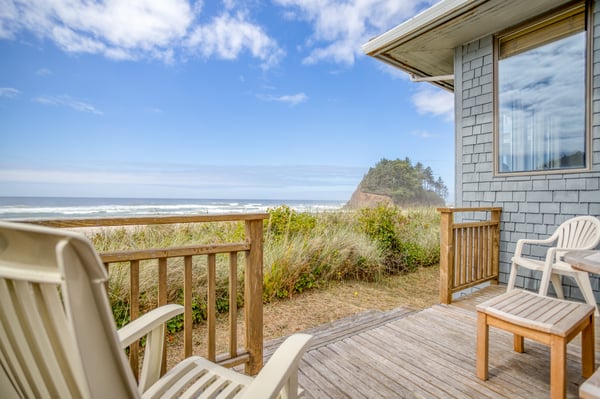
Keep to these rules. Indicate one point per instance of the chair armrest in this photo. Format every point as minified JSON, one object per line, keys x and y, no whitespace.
{"x":547,"y":271}
{"x":143,"y":325}
{"x":152,"y":326}
{"x":521,"y":243}
{"x":281,"y":371}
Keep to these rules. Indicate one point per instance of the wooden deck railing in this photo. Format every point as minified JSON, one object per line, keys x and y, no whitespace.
{"x":252,"y":246}
{"x":469,"y":250}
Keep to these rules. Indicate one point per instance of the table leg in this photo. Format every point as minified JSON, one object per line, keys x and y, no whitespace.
{"x":588,"y":355}
{"x":519,"y":344}
{"x":483,"y":332}
{"x":558,"y":365}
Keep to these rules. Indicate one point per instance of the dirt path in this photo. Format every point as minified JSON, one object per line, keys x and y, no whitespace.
{"x":320,"y":306}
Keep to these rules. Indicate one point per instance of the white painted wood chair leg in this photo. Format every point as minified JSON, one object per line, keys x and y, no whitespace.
{"x":512,"y":279}
{"x":583,"y":281}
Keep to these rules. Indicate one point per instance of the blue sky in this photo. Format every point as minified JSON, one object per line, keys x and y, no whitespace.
{"x":214,"y":99}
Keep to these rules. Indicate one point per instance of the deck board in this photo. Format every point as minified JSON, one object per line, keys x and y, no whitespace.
{"x":426,"y":354}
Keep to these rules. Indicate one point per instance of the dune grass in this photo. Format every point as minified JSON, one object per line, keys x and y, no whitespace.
{"x":302,"y":251}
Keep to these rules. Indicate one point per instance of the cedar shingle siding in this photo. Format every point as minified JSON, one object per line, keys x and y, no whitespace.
{"x":532,"y":206}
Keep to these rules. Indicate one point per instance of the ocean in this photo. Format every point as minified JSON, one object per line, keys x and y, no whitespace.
{"x":72,"y":208}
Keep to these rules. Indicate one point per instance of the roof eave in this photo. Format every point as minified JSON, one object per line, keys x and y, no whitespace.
{"x":444,"y":84}
{"x":427,"y":20}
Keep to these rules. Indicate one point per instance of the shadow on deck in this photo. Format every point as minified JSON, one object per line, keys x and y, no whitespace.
{"x":425,"y":354}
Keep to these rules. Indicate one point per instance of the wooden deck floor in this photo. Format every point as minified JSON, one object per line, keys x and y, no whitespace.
{"x":425,"y":354}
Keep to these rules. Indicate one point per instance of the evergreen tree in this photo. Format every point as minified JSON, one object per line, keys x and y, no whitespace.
{"x":406,"y":184}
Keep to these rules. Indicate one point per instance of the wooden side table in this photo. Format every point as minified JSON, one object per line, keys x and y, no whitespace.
{"x":551,"y":321}
{"x":587,"y":261}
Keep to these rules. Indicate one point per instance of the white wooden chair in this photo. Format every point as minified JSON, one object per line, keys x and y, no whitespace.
{"x":58,"y":337}
{"x":582,"y":232}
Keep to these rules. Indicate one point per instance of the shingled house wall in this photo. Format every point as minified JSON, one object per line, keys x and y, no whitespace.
{"x":533,"y":205}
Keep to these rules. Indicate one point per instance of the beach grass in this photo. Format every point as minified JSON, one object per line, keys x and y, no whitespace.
{"x":302,"y":251}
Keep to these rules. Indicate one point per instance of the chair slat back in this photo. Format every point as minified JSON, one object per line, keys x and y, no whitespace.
{"x":57,"y":334}
{"x":37,"y":349}
{"x":581,"y":232}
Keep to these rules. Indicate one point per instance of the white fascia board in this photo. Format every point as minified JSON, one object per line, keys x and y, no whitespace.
{"x":423,"y":21}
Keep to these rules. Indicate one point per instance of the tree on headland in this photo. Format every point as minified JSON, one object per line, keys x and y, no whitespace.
{"x":405,"y":184}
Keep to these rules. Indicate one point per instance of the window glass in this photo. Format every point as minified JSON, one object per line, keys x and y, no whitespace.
{"x":541,"y":107}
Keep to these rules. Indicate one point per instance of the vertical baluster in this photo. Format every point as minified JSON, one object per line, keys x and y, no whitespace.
{"x":134,"y":311}
{"x":211,"y":307}
{"x":464,"y":248}
{"x":478,"y":264}
{"x":162,"y":300}
{"x":483,"y":262}
{"x":488,"y":257}
{"x":471,"y":254}
{"x":475,"y":260}
{"x":188,"y":319}
{"x":107,"y":267}
{"x":468,"y":251}
{"x":495,"y":243}
{"x":233,"y":284}
{"x":465,"y":254}
{"x":457,"y":258}
{"x":457,"y":255}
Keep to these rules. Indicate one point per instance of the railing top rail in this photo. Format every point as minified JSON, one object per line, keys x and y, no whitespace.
{"x":467,"y":225}
{"x":479,"y":209}
{"x":146,"y":220}
{"x":172,"y":252}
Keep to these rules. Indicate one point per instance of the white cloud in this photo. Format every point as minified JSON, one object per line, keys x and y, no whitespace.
{"x":423,"y":134}
{"x":9,"y":92}
{"x":43,"y":72}
{"x":226,"y":36}
{"x":202,"y":181}
{"x":66,"y":101}
{"x":341,"y":27}
{"x":432,"y":100}
{"x":113,"y":28}
{"x":164,"y":30}
{"x":291,"y":99}
{"x":138,"y":29}
{"x":8,"y":18}
{"x":229,"y":4}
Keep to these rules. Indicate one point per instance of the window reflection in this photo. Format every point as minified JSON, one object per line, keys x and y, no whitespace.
{"x":541,"y":108}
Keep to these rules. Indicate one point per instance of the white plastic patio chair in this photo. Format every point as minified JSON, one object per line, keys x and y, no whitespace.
{"x":58,"y":337}
{"x":582,"y":232}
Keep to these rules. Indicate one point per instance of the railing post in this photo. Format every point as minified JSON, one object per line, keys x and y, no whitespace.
{"x":253,"y":288}
{"x":446,"y":255}
{"x":495,"y":217}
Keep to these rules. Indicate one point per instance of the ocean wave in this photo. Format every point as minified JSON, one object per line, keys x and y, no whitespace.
{"x":63,"y":208}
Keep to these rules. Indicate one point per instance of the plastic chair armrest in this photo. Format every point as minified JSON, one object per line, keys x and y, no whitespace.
{"x":281,"y":371}
{"x":146,"y":323}
{"x":521,"y":243}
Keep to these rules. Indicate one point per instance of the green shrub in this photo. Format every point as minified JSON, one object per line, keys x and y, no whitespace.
{"x":285,"y":222}
{"x":408,"y":239}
